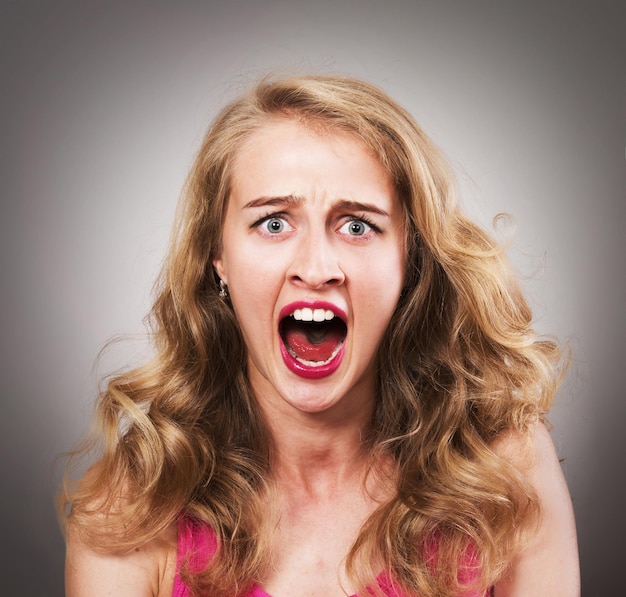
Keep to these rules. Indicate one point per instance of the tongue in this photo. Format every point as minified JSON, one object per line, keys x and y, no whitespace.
{"x":313,"y":344}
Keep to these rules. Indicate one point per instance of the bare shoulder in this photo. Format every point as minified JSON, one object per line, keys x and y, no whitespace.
{"x":147,"y":571}
{"x":549,"y":565}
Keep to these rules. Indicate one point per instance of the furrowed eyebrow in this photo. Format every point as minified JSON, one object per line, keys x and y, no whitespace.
{"x":291,"y":200}
{"x":284,"y":201}
{"x":346,"y":205}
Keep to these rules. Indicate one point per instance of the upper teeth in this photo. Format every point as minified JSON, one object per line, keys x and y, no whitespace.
{"x":307,"y":314}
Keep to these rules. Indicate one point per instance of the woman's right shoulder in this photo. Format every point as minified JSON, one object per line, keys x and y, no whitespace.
{"x":145,"y":571}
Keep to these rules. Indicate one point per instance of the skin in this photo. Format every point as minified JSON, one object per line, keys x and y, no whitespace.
{"x":549,"y":565}
{"x":147,"y":571}
{"x":287,"y":237}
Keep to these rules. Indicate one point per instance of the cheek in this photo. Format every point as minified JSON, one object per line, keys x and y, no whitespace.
{"x":379,"y":291}
{"x":386,"y":275}
{"x":253,"y":296}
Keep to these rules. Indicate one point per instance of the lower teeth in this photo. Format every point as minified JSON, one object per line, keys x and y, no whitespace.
{"x":292,"y":352}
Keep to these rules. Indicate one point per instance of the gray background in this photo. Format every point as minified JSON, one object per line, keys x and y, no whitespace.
{"x":103,"y":107}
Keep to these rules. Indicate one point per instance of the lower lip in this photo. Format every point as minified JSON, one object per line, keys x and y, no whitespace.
{"x":307,"y":372}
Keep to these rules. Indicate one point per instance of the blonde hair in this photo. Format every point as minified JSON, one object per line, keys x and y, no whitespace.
{"x":458,"y":366}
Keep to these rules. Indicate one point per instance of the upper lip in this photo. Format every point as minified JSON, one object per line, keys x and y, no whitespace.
{"x":289,"y":309}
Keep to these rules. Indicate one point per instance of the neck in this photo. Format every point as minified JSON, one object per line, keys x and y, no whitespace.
{"x":318,"y":452}
{"x":322,"y":460}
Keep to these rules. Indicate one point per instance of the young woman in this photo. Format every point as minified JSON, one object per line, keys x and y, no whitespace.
{"x":346,"y":395}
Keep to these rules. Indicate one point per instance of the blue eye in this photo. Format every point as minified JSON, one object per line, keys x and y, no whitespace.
{"x":356,"y":228}
{"x":274,"y":225}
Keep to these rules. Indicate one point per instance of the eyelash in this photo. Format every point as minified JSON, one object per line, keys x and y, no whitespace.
{"x":269,"y":216}
{"x":363,"y":218}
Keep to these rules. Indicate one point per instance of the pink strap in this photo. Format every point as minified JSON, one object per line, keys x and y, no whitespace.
{"x":196,"y":546}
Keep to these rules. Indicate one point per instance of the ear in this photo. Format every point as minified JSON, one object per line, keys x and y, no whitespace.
{"x":220,"y":267}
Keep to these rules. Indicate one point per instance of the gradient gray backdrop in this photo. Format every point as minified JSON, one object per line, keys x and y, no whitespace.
{"x":103,"y":108}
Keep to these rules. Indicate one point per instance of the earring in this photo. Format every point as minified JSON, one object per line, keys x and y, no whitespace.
{"x":223,"y":290}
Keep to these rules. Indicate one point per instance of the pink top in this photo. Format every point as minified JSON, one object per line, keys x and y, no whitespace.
{"x":198,"y":543}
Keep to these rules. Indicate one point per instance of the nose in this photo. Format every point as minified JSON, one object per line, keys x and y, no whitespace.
{"x":315,"y":264}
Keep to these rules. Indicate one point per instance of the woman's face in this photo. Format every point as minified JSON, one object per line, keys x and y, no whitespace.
{"x":314,"y":259}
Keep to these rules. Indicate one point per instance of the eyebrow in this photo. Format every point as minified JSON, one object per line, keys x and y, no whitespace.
{"x":347,"y":205}
{"x":290,"y":200}
{"x":285,"y":200}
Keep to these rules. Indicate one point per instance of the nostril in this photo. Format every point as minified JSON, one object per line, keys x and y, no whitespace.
{"x":315,"y":264}
{"x":318,"y":283}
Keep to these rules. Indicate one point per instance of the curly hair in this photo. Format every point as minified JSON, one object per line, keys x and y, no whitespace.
{"x":459,"y":365}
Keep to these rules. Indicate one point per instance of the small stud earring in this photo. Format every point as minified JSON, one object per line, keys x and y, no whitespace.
{"x":223,"y":290}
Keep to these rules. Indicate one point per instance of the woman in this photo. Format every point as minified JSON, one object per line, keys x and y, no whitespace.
{"x":346,"y":397}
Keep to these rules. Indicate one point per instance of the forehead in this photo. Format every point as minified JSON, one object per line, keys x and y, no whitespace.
{"x":286,"y":153}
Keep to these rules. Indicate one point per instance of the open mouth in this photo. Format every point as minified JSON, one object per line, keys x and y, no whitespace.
{"x":313,"y":338}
